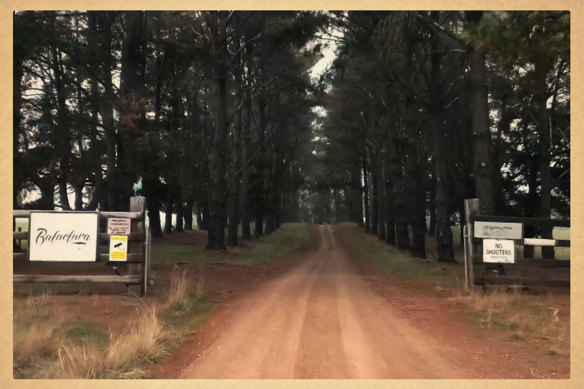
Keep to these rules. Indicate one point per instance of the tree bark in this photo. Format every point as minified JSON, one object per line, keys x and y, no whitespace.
{"x":217,"y":21}
{"x":542,"y":68}
{"x":483,"y":169}
{"x":444,"y":243}
{"x":375,"y":193}
{"x":416,"y":193}
{"x":440,"y":140}
{"x":365,"y":189}
{"x":381,"y":233}
{"x":179,"y":211}
{"x":168,"y":215}
{"x":188,"y":215}
{"x":154,"y":217}
{"x":62,"y":138}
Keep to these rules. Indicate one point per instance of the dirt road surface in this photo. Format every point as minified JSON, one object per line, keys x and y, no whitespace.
{"x":322,"y":319}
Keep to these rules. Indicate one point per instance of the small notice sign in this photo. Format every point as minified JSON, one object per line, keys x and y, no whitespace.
{"x":498,"y":251}
{"x":118,"y":226}
{"x":118,"y":248}
{"x":495,"y":230}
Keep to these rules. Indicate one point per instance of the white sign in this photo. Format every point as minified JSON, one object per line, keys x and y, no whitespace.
{"x":498,"y":251}
{"x":496,"y":230}
{"x":118,"y":226}
{"x":118,"y":248}
{"x":63,"y":236}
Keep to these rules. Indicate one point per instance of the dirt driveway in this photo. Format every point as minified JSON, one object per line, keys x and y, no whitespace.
{"x":323,"y":319}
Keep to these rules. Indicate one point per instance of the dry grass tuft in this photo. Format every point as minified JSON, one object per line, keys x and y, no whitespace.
{"x":180,"y":285}
{"x":36,"y":322}
{"x":524,"y":315}
{"x":80,"y":361}
{"x":140,"y":342}
{"x":183,"y":295}
{"x":118,"y":359}
{"x":43,"y":348}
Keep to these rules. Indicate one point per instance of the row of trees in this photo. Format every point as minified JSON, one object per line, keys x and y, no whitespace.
{"x":428,"y":108}
{"x":211,"y":109}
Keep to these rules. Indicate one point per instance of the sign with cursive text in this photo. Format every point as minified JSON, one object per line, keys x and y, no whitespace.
{"x":63,"y":236}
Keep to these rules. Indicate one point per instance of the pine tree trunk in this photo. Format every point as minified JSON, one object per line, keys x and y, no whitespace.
{"x":416,"y":193}
{"x":199,"y":217}
{"x":541,"y":96}
{"x":106,"y":106}
{"x":444,"y":243}
{"x":154,"y":216}
{"x":481,"y":135}
{"x":179,"y":212}
{"x":188,"y":215}
{"x":232,"y":237}
{"x":218,"y":154}
{"x":440,"y":137}
{"x":356,"y":195}
{"x":259,"y":188}
{"x":381,"y":233}
{"x":62,"y":138}
{"x":17,"y":158}
{"x":244,"y":204}
{"x":366,"y":192}
{"x":168,"y":215}
{"x":432,"y":205}
{"x":375,"y":195}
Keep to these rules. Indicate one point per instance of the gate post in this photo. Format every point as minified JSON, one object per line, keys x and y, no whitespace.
{"x":138,"y":204}
{"x":471,"y":208}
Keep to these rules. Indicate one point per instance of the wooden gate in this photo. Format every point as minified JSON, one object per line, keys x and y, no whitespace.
{"x":510,"y":232}
{"x":134,"y":272}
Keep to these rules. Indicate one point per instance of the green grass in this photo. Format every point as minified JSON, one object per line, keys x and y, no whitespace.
{"x":387,"y":257}
{"x":291,"y":237}
{"x":82,"y":331}
{"x":23,"y":225}
{"x":172,"y":253}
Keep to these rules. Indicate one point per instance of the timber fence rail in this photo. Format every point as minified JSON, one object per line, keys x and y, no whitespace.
{"x":522,"y":271}
{"x":134,"y":271}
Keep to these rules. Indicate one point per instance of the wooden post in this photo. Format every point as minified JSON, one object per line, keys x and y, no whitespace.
{"x":138,"y":204}
{"x":471,"y":208}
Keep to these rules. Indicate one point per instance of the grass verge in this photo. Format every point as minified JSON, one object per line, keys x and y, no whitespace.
{"x":291,"y":237}
{"x":50,"y":343}
{"x":522,"y":315}
{"x":384,"y":256}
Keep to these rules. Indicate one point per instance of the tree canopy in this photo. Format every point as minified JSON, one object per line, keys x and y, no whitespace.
{"x":218,"y":115}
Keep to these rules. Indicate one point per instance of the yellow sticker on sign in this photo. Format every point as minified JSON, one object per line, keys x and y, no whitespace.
{"x":118,"y":248}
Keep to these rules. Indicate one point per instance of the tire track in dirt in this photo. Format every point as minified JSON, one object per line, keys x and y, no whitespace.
{"x":322,"y":319}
